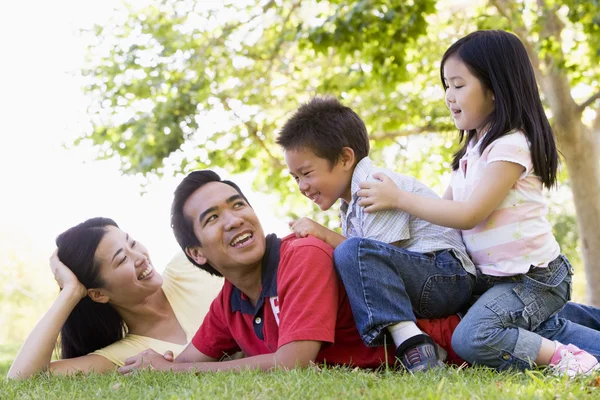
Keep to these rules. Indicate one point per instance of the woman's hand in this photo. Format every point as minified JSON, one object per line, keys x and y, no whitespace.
{"x":65,"y":278}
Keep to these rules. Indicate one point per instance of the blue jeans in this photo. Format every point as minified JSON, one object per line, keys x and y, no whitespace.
{"x":387,"y":284}
{"x":503,"y":328}
{"x":577,"y":324}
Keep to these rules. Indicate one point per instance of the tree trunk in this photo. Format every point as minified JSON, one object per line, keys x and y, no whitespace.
{"x":583,"y":164}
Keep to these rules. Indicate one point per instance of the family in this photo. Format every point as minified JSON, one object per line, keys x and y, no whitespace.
{"x":413,"y":282}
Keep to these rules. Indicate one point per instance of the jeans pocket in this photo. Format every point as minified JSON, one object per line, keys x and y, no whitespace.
{"x":444,"y":295}
{"x":545,"y":291}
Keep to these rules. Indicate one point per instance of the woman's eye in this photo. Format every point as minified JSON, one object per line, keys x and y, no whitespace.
{"x":133,"y":244}
{"x":123,"y":260}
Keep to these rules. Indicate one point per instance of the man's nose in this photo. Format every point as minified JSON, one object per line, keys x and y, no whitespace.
{"x":232,"y":220}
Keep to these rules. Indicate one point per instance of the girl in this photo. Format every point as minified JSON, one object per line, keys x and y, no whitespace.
{"x":495,"y":198}
{"x":112,"y":304}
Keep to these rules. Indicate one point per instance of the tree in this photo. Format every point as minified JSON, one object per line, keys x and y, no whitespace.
{"x":161,"y":78}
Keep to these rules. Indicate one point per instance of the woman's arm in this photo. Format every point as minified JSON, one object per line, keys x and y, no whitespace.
{"x":36,"y":352}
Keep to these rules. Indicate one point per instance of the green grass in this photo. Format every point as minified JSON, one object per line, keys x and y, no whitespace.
{"x":312,"y":383}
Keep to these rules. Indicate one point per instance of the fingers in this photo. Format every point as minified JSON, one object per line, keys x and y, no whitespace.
{"x":169,"y":355}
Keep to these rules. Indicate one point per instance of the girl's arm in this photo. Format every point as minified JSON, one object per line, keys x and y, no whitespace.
{"x":448,"y":193}
{"x":498,"y":178}
{"x":36,"y":352}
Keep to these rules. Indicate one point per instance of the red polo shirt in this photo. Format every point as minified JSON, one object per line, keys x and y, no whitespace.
{"x":301,"y":299}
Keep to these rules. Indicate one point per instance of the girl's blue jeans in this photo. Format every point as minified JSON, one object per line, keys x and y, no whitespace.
{"x":504,"y":328}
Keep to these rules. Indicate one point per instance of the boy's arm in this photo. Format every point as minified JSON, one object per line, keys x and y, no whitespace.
{"x":306,"y":226}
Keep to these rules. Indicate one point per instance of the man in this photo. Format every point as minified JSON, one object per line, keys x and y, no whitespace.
{"x":281,"y":303}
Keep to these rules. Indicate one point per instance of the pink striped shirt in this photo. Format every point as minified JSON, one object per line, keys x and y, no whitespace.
{"x":516,"y":235}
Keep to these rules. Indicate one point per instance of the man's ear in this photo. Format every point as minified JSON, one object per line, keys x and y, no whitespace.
{"x":98,"y":296}
{"x":347,"y":158}
{"x":195,"y":253}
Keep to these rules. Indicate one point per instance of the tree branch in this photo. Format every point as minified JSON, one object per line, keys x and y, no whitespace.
{"x":589,"y":102}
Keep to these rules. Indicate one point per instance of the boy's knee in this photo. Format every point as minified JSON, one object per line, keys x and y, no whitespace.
{"x":347,"y":250}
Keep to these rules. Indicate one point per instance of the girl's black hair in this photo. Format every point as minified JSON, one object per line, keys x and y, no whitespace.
{"x":91,"y":325}
{"x":500,"y":62}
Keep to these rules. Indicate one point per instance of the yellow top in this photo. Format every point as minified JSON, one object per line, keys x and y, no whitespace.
{"x":190,"y":291}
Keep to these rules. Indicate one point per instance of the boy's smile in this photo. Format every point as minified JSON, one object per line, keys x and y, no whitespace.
{"x":317,"y":179}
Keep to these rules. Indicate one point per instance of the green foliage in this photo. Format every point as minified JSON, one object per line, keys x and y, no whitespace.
{"x":182,"y":85}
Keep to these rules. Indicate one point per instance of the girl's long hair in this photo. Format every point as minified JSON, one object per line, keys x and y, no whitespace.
{"x":91,"y":325}
{"x":500,"y":62}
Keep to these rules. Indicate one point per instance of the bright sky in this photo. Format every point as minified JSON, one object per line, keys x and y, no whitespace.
{"x":44,"y":187}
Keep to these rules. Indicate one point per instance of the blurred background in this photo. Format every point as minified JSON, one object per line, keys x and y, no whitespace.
{"x":106,"y":105}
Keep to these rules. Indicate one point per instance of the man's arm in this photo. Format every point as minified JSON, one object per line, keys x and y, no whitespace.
{"x":297,"y":354}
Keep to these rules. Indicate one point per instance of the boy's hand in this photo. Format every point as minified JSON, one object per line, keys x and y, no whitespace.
{"x":306,"y":226}
{"x":381,"y":195}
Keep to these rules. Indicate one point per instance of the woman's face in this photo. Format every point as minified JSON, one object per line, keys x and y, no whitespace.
{"x":125,"y":268}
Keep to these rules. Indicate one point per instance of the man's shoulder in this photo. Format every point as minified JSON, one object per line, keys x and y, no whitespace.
{"x":291,"y":243}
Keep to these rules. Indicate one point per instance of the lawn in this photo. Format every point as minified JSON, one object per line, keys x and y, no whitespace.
{"x":312,"y":383}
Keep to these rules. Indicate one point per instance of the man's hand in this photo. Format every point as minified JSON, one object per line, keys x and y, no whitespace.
{"x":148,"y":359}
{"x":306,"y":226}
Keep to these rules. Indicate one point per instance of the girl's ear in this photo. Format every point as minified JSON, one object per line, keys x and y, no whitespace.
{"x":195,"y":253}
{"x":347,"y":158}
{"x":98,"y":296}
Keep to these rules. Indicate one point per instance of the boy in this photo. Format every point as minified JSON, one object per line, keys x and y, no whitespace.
{"x":395,"y":267}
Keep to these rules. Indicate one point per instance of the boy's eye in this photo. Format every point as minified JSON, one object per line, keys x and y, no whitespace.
{"x":296,"y":178}
{"x":239,"y":204}
{"x":211,"y":218}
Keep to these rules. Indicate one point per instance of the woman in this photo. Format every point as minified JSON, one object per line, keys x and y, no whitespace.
{"x":112,"y":304}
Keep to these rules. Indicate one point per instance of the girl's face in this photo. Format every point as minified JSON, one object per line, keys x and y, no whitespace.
{"x":468,"y":100}
{"x":126,"y":269}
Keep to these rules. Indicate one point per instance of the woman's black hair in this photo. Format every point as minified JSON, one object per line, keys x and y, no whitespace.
{"x":91,"y":325}
{"x":500,"y":62}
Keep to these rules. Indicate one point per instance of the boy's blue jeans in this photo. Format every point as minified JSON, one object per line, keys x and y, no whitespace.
{"x":503,"y":328}
{"x":387,"y":284}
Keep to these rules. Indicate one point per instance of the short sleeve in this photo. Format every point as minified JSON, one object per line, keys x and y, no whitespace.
{"x":513,"y":148}
{"x":387,"y":226}
{"x":308,"y":288}
{"x":214,"y":338}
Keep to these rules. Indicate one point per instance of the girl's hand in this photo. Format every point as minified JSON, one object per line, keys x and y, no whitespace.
{"x":381,"y":195}
{"x":65,"y":278}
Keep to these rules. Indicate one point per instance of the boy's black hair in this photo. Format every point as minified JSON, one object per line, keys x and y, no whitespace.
{"x":500,"y":62}
{"x":325,"y":126}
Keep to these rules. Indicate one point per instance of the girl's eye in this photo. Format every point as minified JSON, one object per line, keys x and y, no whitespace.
{"x":296,"y":179}
{"x":458,"y":87}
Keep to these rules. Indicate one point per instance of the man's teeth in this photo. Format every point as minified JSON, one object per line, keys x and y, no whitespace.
{"x":241,"y":238}
{"x":145,"y":273}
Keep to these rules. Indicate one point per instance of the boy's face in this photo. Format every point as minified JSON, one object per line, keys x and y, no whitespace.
{"x":317,"y":179}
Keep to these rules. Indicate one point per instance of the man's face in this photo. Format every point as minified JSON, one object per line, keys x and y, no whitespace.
{"x":229,"y":231}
